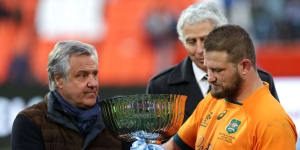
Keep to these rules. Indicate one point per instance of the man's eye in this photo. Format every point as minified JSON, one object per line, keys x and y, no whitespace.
{"x":82,"y":75}
{"x":203,"y":38}
{"x":190,"y":41}
{"x":217,"y":70}
{"x":95,"y":73}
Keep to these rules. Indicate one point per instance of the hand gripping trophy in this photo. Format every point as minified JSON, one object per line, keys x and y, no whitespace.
{"x":147,"y":119}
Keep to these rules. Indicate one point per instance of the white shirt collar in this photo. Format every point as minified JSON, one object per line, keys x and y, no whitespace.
{"x":199,"y":73}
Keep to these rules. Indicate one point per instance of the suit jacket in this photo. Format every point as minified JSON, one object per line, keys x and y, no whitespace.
{"x":180,"y":79}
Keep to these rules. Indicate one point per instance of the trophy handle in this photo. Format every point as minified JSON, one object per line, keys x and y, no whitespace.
{"x":176,"y":118}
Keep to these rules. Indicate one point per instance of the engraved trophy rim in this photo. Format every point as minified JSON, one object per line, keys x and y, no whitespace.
{"x":153,"y":117}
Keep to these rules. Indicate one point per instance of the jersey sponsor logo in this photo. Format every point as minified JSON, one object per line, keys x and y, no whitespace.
{"x":233,"y":126}
{"x":221,"y":115}
{"x":207,"y":117}
{"x":201,"y":144}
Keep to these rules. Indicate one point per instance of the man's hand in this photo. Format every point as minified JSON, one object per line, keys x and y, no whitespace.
{"x":140,"y":144}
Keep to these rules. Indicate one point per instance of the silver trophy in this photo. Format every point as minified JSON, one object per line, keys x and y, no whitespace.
{"x":151,"y":117}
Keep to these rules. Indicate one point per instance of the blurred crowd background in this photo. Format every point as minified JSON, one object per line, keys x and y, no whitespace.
{"x":135,"y":39}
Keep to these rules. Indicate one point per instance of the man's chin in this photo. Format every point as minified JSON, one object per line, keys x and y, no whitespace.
{"x":88,"y":103}
{"x":217,"y":95}
{"x":201,"y":65}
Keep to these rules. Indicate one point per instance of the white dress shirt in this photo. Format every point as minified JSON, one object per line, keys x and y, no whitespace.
{"x":201,"y":78}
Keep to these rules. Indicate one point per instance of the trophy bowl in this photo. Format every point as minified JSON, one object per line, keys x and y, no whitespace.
{"x":152,"y":117}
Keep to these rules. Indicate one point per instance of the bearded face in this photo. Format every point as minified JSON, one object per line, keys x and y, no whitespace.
{"x":224,"y":76}
{"x":227,"y":89}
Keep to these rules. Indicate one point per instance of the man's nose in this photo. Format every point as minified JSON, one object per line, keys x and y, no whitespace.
{"x":93,"y":81}
{"x":199,"y":47}
{"x":211,"y":77}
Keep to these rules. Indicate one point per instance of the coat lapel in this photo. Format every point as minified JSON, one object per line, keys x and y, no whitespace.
{"x":182,"y":80}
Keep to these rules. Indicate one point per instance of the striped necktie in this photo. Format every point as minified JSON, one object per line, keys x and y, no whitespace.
{"x":205,"y":78}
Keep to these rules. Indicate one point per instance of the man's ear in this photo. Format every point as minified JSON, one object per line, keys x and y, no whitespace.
{"x":244,"y":66}
{"x":59,"y":81}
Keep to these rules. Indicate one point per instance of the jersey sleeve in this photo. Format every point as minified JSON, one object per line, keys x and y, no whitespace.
{"x":277,"y":135}
{"x":187,"y":134}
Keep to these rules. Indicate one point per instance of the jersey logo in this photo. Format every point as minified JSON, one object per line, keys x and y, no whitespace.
{"x":233,"y":126}
{"x":207,"y":117}
{"x":221,"y":115}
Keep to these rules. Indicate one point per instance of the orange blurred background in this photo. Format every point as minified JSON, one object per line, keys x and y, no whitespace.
{"x":126,"y":55}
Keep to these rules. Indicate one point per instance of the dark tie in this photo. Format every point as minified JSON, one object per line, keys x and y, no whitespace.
{"x":205,"y":79}
{"x":209,"y":88}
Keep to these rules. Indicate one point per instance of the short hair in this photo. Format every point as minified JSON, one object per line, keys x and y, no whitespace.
{"x":206,"y":10}
{"x":58,"y":59}
{"x":234,"y":40}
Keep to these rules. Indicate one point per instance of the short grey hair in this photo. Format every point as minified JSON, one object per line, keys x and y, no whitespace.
{"x":58,"y":59}
{"x":206,"y":10}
